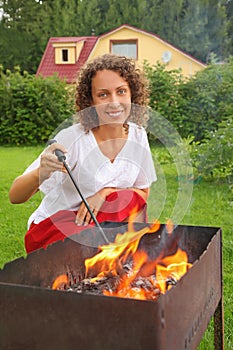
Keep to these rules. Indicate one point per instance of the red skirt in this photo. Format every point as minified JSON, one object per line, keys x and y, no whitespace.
{"x":117,"y":208}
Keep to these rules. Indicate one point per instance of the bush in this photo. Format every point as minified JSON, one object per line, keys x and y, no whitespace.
{"x":165,"y":98}
{"x":31,"y":107}
{"x":193,"y":106}
{"x":208,"y":99}
{"x":213,"y":158}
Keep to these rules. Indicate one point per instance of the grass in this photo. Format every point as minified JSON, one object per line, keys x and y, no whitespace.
{"x":210,"y":205}
{"x":13,"y":218}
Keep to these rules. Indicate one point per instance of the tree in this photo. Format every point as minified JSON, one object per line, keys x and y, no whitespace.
{"x":20,"y":36}
{"x":13,"y":48}
{"x":202,"y":29}
{"x":132,"y":12}
{"x":229,"y":12}
{"x":90,"y":18}
{"x":60,"y":17}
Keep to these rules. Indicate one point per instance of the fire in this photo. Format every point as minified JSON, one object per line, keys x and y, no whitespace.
{"x":112,"y":257}
{"x":131,"y":272}
{"x":60,"y":281}
{"x":174,"y":266}
{"x":169,"y":226}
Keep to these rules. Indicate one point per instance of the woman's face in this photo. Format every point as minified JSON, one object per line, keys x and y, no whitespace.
{"x":111,"y":96}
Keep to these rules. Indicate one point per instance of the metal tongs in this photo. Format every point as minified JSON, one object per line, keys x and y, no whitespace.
{"x":62,"y":158}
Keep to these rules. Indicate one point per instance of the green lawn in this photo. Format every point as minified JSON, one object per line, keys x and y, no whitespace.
{"x":210,"y":205}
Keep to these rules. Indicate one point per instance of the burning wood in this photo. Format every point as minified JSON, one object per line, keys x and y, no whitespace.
{"x":121,"y":269}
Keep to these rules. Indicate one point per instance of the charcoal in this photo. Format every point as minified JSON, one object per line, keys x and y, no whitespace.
{"x":95,"y":286}
{"x":109,"y":282}
{"x":171,"y":281}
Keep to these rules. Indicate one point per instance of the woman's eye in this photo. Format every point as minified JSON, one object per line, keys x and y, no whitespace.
{"x":102,"y":94}
{"x":122,"y":91}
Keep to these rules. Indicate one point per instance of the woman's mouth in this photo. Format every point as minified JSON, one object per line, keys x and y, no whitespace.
{"x":115,"y":114}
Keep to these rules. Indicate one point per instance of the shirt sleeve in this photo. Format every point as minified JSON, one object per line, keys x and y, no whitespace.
{"x":67,"y":137}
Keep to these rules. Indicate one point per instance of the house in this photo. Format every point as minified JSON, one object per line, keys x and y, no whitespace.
{"x":65,"y":55}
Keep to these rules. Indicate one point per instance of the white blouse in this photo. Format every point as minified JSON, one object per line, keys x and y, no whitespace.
{"x":92,"y":170}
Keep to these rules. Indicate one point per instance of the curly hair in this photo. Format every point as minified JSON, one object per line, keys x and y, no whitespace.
{"x":127,"y":70}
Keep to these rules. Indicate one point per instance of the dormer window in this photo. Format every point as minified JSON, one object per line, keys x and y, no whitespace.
{"x":65,"y":56}
{"x":128,"y":48}
{"x":67,"y":52}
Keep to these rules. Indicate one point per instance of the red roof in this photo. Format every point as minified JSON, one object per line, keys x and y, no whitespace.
{"x":68,"y":72}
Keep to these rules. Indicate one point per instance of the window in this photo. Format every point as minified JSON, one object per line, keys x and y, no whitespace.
{"x":65,"y":57}
{"x":125,"y":48}
{"x":65,"y":52}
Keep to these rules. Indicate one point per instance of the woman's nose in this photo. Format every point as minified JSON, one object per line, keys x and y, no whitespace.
{"x":114,"y":100}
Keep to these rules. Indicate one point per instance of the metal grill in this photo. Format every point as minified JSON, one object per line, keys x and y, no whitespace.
{"x":33,"y":316}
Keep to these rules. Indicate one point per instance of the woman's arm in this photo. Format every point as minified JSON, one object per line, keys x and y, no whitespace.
{"x":26,"y":185}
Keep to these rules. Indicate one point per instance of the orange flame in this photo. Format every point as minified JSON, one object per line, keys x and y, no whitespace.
{"x":110,"y":260}
{"x":144,"y":278}
{"x":173,"y":266}
{"x":112,"y":256}
{"x":169,"y":226}
{"x":60,"y":281}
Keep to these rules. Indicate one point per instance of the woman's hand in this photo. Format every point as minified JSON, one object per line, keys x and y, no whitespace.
{"x":95,"y":202}
{"x":49,"y":162}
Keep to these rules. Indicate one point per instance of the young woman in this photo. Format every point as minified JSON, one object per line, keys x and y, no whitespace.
{"x":107,"y":152}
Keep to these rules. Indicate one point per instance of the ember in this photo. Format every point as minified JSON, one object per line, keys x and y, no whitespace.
{"x":121,"y":269}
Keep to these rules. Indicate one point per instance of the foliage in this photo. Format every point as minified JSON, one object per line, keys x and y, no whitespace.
{"x":213,"y":158}
{"x":13,"y":53}
{"x":22,"y":38}
{"x":229,"y":12}
{"x":200,"y":110}
{"x":193,"y":106}
{"x":207,"y":99}
{"x":165,"y":99}
{"x":31,"y":107}
{"x":203,"y":29}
